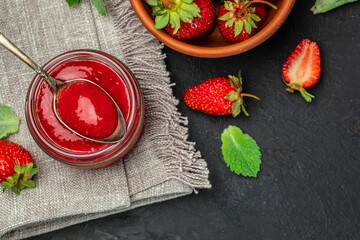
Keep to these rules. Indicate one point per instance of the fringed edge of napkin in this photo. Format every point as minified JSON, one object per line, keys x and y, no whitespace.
{"x":180,"y":158}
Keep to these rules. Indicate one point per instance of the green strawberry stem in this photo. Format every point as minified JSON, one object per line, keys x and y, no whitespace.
{"x":256,"y":1}
{"x":21,"y":179}
{"x":297,"y":86}
{"x":307,"y":96}
{"x":250,"y":95}
{"x":236,"y":96}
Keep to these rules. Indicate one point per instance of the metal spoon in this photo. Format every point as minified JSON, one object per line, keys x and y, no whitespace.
{"x":57,"y":85}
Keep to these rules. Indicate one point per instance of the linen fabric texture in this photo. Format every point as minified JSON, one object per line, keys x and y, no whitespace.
{"x":161,"y":166}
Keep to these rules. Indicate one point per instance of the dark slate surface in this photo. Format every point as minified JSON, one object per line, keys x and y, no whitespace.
{"x":308,"y":187}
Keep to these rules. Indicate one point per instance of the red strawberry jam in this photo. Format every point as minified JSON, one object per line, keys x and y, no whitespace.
{"x":87,"y":109}
{"x":86,"y":99}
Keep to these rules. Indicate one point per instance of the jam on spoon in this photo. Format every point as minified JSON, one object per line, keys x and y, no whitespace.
{"x":87,"y":109}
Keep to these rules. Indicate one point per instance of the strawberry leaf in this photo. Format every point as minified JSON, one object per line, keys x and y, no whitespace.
{"x":161,"y":21}
{"x":235,"y":82}
{"x":9,"y":123}
{"x":232,"y":96}
{"x":153,"y":3}
{"x":230,"y":22}
{"x":191,"y":8}
{"x":227,"y":16}
{"x":175,"y":22}
{"x":253,"y":25}
{"x":229,"y":6}
{"x":247,"y":26}
{"x":241,"y":152}
{"x":236,"y":108}
{"x":17,"y":168}
{"x":32,"y":172}
{"x":100,"y":6}
{"x":238,"y":28}
{"x":184,"y":15}
{"x":255,"y":17}
{"x":72,"y":2}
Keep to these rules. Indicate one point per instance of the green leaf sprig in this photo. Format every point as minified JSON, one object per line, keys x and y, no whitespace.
{"x":322,"y":6}
{"x":98,"y":4}
{"x":241,"y":152}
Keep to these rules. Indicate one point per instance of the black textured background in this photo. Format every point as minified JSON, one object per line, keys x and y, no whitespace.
{"x":308,"y":186}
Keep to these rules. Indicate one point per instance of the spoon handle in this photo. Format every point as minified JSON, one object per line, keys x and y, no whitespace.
{"x":17,"y":52}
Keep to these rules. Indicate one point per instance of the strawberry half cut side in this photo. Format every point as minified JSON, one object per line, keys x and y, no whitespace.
{"x":302,"y":68}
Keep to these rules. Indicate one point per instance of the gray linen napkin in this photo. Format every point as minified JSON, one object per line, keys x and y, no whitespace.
{"x":162,"y":165}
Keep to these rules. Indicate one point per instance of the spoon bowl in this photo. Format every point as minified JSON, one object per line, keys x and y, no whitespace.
{"x":57,"y":86}
{"x":118,"y":133}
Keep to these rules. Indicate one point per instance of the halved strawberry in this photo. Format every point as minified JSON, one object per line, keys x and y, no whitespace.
{"x":302,"y":68}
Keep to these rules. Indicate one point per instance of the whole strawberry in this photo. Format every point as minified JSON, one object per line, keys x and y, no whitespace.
{"x":220,"y":95}
{"x":302,"y":68}
{"x":16,"y":167}
{"x":239,"y":19}
{"x":184,"y":19}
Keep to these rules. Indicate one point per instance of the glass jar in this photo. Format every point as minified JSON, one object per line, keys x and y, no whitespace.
{"x":66,"y":147}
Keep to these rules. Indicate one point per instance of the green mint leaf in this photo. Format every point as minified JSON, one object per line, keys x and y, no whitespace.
{"x":100,"y":6}
{"x":9,"y":123}
{"x":241,"y":152}
{"x":322,"y":6}
{"x":72,"y":2}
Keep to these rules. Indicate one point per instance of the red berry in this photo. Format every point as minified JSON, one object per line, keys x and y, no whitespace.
{"x":185,"y":19}
{"x":302,"y":68}
{"x":239,"y":19}
{"x":16,"y":167}
{"x":220,"y":95}
{"x":199,"y":26}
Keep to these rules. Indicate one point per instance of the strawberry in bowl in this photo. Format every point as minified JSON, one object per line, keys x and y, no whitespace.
{"x":214,"y":45}
{"x":239,"y":19}
{"x":184,"y":19}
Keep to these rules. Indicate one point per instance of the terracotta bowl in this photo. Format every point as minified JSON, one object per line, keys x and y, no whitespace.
{"x":214,"y":46}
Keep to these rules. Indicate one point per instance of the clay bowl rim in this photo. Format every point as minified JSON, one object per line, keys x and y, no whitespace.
{"x":214,"y":52}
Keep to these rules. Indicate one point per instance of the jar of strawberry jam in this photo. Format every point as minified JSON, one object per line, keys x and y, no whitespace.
{"x":65,"y":146}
